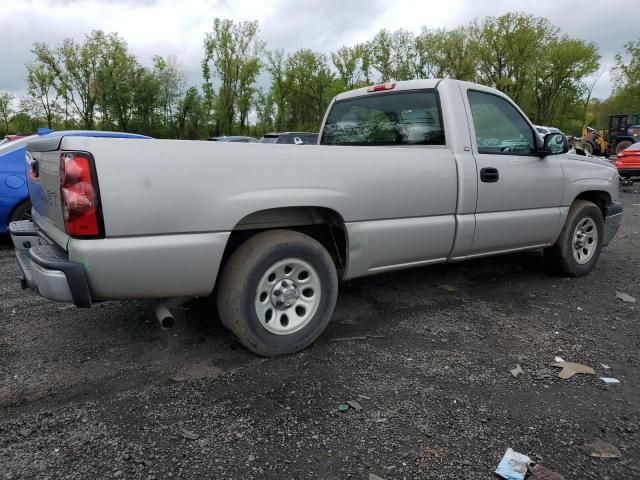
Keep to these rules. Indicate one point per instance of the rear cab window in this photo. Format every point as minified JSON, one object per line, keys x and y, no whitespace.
{"x":394,"y":118}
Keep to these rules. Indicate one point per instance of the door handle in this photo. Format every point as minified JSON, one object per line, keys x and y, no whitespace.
{"x":489,"y":175}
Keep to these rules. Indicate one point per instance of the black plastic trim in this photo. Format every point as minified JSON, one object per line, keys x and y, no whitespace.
{"x":51,"y":257}
{"x":50,"y":144}
{"x":613,"y":208}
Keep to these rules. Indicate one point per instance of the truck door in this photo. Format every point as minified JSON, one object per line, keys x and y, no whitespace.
{"x":519,"y":192}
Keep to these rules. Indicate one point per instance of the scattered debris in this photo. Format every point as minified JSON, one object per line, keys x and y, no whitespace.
{"x":539,"y":472}
{"x":625,"y":297}
{"x":513,"y":465}
{"x":448,"y":288}
{"x":558,"y":360}
{"x":605,"y":366}
{"x":343,"y":407}
{"x":189,"y":435}
{"x":252,"y":458}
{"x":355,"y":405}
{"x":609,"y":380}
{"x":373,"y":476}
{"x":569,"y":369}
{"x":544,"y":374}
{"x":362,"y":337}
{"x":364,"y":397}
{"x":430,"y":455}
{"x":516,"y":371}
{"x":601,"y":449}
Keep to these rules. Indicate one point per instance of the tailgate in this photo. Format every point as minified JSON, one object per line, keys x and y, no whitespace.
{"x":43,"y":179}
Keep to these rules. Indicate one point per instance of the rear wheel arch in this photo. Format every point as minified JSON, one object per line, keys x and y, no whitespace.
{"x":323,"y":224}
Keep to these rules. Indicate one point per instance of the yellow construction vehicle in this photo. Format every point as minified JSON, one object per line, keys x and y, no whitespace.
{"x":594,"y":141}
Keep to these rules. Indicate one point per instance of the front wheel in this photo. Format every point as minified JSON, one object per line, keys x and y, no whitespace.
{"x":277,"y":292}
{"x":578,"y":247}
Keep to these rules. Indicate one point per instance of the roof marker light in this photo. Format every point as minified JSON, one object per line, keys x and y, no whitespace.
{"x":382,"y":87}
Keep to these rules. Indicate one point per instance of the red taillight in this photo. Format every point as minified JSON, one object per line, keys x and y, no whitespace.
{"x":78,"y":195}
{"x":382,"y":87}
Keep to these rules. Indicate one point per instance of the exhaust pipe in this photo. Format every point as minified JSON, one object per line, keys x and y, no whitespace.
{"x":165,"y":317}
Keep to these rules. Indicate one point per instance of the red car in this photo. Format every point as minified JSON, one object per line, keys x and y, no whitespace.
{"x":628,"y":161}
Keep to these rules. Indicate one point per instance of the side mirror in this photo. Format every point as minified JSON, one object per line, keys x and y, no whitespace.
{"x":554,"y":144}
{"x":298,"y":141}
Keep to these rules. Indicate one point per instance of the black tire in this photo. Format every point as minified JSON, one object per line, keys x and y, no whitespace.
{"x":589,"y":147}
{"x":622,"y":146}
{"x":21,"y":212}
{"x":247,"y":267}
{"x":561,"y":255}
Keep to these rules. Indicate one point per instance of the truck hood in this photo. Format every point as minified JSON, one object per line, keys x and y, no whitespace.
{"x":592,"y":159}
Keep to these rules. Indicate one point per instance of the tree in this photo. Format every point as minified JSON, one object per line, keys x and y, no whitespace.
{"x":310,"y":86}
{"x":393,"y":54}
{"x":277,"y":69}
{"x":115,"y":77}
{"x":42,"y":87}
{"x":559,"y":76}
{"x":233,"y":50}
{"x":626,"y":76}
{"x":507,"y":47}
{"x":6,"y":109}
{"x":265,"y":110}
{"x":189,"y":114}
{"x":170,"y":79}
{"x":352,"y":64}
{"x":442,"y":53}
{"x":76,"y":68}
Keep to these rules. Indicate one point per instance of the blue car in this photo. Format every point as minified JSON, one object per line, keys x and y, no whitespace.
{"x":14,"y":196}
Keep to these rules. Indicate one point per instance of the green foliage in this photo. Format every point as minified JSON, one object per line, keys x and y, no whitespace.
{"x":626,"y":75}
{"x":99,"y":83}
{"x":232,"y":56}
{"x":6,"y":110}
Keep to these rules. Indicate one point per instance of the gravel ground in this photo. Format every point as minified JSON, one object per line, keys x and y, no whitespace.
{"x":105,"y":393}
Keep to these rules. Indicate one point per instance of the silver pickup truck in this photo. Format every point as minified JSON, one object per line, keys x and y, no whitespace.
{"x":405,"y":174}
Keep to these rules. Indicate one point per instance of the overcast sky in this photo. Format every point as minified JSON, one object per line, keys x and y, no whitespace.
{"x":178,"y":27}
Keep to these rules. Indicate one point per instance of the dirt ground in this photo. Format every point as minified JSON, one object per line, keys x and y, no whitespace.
{"x":105,"y":393}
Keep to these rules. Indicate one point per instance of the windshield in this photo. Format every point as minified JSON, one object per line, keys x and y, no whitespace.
{"x":397,"y":118}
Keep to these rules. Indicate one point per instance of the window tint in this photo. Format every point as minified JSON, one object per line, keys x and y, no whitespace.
{"x":398,"y":118}
{"x":500,"y":128}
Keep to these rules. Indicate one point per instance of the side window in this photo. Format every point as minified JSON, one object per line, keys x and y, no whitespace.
{"x":500,"y":128}
{"x":395,"y":118}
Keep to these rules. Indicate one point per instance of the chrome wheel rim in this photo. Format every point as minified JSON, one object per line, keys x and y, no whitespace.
{"x":585,"y":240}
{"x":288,"y":296}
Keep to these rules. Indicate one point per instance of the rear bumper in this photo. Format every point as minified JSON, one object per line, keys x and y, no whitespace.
{"x":46,"y":268}
{"x":612,"y":221}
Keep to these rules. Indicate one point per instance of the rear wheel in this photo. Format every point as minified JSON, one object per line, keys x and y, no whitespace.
{"x":277,"y":292}
{"x":21,"y":212}
{"x":622,"y":146}
{"x":577,"y":250}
